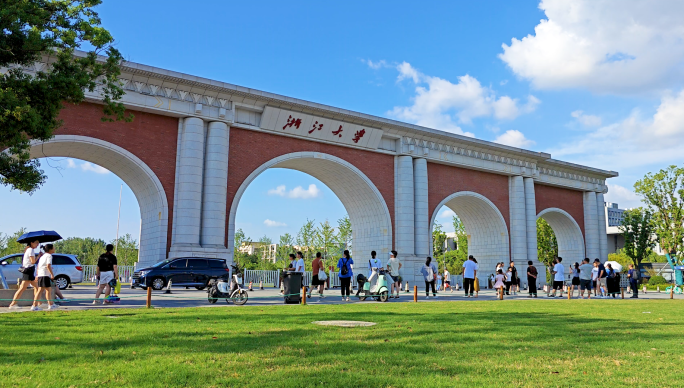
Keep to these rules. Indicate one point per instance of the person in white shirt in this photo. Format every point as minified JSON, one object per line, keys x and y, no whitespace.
{"x":558,"y":278}
{"x":447,"y":280}
{"x":45,"y":279}
{"x":393,"y":267}
{"x":28,"y":276}
{"x":299,"y":265}
{"x":374,"y":263}
{"x":469,"y":274}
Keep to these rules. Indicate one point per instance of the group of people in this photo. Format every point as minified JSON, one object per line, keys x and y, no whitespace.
{"x":598,"y":277}
{"x":37,"y":272}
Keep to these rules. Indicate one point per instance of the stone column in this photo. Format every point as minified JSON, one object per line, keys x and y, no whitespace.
{"x":215,"y":186}
{"x":421,"y":220}
{"x":591,"y":228}
{"x":188,"y":211}
{"x":518,"y":220}
{"x":531,"y":220}
{"x":602,"y":232}
{"x":404,"y":205}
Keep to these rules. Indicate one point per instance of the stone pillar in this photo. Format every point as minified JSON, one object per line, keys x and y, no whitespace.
{"x":188,"y":211}
{"x":215,"y":186}
{"x":404,"y":205}
{"x":531,"y":220}
{"x":421,"y":220}
{"x":591,"y":228}
{"x":518,"y":220}
{"x":602,"y":232}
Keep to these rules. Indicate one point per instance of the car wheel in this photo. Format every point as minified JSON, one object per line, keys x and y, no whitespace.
{"x":62,"y":282}
{"x":157,"y":283}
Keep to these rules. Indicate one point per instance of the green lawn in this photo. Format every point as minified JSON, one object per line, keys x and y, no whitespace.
{"x":491,"y":343}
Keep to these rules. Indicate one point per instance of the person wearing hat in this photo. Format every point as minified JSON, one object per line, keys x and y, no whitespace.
{"x":107,"y":270}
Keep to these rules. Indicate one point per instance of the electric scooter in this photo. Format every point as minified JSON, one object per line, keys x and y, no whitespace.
{"x":229,"y":291}
{"x":375,"y":286}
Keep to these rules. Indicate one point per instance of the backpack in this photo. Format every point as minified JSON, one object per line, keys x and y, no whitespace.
{"x":344,"y":270}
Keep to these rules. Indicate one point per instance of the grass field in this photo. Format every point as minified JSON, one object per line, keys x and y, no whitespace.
{"x":539,"y":343}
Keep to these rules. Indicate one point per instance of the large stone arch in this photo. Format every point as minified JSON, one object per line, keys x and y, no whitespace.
{"x":368,"y":212}
{"x":485,"y":225}
{"x":145,"y":185}
{"x":568,"y":234}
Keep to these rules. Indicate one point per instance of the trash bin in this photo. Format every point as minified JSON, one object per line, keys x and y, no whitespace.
{"x":292,"y":286}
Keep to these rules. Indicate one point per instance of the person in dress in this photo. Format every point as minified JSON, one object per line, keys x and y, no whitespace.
{"x":28,"y":276}
{"x":499,"y":282}
{"x":45,"y":278}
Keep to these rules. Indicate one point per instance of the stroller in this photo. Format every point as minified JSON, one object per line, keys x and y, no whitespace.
{"x":375,"y":286}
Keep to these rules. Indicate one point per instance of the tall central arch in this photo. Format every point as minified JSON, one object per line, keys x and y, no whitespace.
{"x":568,"y":234}
{"x":145,"y":185}
{"x":484,"y":225}
{"x":368,"y":212}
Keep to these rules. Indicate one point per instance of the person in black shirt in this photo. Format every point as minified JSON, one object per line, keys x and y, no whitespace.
{"x":107,"y":272}
{"x":532,"y":279}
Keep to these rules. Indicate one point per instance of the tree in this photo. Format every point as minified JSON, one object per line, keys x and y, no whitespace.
{"x":663,"y":194}
{"x":637,"y":228}
{"x":88,"y":249}
{"x":9,"y":244}
{"x":547,"y":246}
{"x":326,"y":239}
{"x":344,"y":233}
{"x":438,"y":239}
{"x":285,"y":244}
{"x":305,"y":238}
{"x":49,"y":30}
{"x":264,"y":247}
{"x":238,"y":240}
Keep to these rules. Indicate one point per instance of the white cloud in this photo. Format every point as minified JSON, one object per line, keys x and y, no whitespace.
{"x":87,"y":166}
{"x":446,"y":213}
{"x":586,"y":120}
{"x":634,"y":141}
{"x":514,"y":138}
{"x":298,"y":192}
{"x":273,"y":224}
{"x":624,"y":197}
{"x":375,"y":65}
{"x":607,"y":46}
{"x":440,"y":104}
{"x":71,"y":163}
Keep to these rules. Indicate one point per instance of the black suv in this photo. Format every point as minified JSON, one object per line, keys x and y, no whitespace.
{"x":194,"y":272}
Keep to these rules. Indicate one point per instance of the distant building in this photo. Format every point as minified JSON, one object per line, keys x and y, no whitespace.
{"x":616,"y":240}
{"x":266,"y":251}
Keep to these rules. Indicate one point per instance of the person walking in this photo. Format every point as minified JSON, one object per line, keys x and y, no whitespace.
{"x":107,"y":270}
{"x":594,"y":278}
{"x":509,"y":280}
{"x":316,"y":268}
{"x":345,"y":264}
{"x":558,"y":278}
{"x":499,"y":282}
{"x":633,"y":276}
{"x":429,"y":271}
{"x":28,"y":274}
{"x":393,"y":267}
{"x":469,"y":274}
{"x":374,"y":263}
{"x":575,"y":283}
{"x":602,"y":281}
{"x":45,"y":278}
{"x":532,"y":279}
{"x":515,"y":282}
{"x":447,"y":280}
{"x":585,"y":275}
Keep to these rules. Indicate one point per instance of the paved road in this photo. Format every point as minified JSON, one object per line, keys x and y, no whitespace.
{"x":82,"y":297}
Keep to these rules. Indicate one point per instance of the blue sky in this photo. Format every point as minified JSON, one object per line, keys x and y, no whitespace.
{"x":596,"y":82}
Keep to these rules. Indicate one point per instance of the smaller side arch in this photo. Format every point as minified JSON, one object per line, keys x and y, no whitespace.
{"x":568,"y":234}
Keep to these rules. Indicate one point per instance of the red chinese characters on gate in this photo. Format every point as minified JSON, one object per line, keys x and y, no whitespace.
{"x":291,"y":121}
{"x":338,"y":133}
{"x":358,"y":135}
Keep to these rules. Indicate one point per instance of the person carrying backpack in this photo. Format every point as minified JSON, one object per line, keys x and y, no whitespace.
{"x":345,"y":264}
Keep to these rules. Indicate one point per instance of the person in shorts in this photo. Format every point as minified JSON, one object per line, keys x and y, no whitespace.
{"x":447,"y":280}
{"x":585,"y":278}
{"x":393,"y":267}
{"x":107,"y":270}
{"x":558,"y":278}
{"x":28,"y":276}
{"x":316,"y":268}
{"x":45,"y":278}
{"x":602,"y":283}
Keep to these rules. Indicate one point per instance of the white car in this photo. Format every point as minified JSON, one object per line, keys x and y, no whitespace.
{"x":67,"y":269}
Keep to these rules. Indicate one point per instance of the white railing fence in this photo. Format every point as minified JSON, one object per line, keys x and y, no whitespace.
{"x":270,"y":278}
{"x":125,"y":273}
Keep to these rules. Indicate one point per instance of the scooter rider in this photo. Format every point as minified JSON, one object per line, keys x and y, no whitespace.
{"x":373,"y":263}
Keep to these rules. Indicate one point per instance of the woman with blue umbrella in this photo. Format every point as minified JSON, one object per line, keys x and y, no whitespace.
{"x":28,"y":265}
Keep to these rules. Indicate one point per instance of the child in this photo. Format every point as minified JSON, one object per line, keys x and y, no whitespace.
{"x":439,"y":282}
{"x":509,"y":281}
{"x":499,"y":281}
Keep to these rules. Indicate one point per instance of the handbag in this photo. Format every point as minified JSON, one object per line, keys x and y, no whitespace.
{"x":26,"y":270}
{"x":322,"y":275}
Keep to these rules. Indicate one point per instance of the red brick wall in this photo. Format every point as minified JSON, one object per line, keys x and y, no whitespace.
{"x":445,"y":180}
{"x":251,"y":149}
{"x":569,"y":200}
{"x":150,"y":137}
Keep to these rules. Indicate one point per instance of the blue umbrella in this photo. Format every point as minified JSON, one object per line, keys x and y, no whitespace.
{"x":43,"y":236}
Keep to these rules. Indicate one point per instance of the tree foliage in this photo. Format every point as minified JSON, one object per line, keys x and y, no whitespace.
{"x":438,"y":239}
{"x":637,"y":229}
{"x":40,"y":30}
{"x":663,"y":194}
{"x":9,"y":244}
{"x":547,"y":246}
{"x":344,"y":233}
{"x":305,"y":239}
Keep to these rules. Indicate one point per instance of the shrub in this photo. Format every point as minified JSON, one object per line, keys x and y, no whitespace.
{"x":655,"y":280}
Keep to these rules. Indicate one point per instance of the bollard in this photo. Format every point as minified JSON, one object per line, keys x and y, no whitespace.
{"x":672,"y":292}
{"x":149,"y":297}
{"x":623,"y":292}
{"x":261,"y":284}
{"x":569,"y":294}
{"x":304,"y":295}
{"x":407,"y":287}
{"x":250,"y":286}
{"x":415,"y":293}
{"x":501,"y":293}
{"x":168,"y":287}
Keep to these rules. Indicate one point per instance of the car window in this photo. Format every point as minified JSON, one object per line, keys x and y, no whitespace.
{"x":177,"y":264}
{"x":217,"y":264}
{"x":197,"y":263}
{"x":14,"y":260}
{"x":61,"y":260}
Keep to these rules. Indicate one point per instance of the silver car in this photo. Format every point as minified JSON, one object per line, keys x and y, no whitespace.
{"x":67,"y":269}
